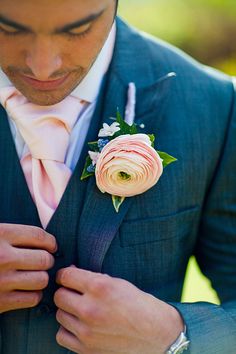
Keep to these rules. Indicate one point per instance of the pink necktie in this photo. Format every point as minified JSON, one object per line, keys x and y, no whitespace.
{"x":46,"y":132}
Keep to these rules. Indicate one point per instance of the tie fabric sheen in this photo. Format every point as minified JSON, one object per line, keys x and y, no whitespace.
{"x":46,"y":132}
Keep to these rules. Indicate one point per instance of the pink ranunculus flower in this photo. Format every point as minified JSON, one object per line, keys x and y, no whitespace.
{"x":128,"y":165}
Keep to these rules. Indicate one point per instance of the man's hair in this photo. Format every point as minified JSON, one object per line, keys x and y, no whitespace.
{"x":117,"y":3}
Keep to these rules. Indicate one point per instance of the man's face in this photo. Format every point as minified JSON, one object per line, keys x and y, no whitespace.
{"x":48,"y":46}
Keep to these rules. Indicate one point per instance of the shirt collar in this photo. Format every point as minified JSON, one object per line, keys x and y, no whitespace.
{"x":4,"y":81}
{"x":88,"y":89}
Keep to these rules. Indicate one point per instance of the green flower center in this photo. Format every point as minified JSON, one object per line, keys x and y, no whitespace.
{"x":124,"y":176}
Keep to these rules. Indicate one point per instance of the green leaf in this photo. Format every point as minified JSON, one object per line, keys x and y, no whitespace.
{"x":85,"y":173}
{"x":167,"y":159}
{"x":124,"y":127}
{"x":93,"y":145}
{"x":152,"y":138}
{"x":119,"y":119}
{"x":117,"y":201}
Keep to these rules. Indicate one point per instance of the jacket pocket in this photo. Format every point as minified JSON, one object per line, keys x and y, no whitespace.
{"x":137,"y":232}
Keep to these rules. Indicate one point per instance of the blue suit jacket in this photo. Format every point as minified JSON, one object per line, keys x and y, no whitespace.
{"x":192,"y":209}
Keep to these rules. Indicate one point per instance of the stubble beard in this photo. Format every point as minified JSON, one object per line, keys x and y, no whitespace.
{"x":46,"y":97}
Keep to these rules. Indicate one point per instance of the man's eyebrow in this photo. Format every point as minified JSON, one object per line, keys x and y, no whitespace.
{"x":79,"y":23}
{"x":6,"y":21}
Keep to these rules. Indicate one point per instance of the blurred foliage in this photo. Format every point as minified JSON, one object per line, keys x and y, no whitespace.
{"x":206,"y":29}
{"x":197,"y":287}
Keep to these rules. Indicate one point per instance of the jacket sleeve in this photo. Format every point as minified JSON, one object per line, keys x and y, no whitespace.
{"x":212,"y":328}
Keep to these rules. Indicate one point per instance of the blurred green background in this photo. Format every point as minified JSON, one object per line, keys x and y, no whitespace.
{"x":205,"y":29}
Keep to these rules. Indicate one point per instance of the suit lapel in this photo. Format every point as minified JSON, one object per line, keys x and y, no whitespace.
{"x":99,"y":222}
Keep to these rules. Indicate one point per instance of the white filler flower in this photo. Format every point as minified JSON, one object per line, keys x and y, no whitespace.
{"x":109,"y":130}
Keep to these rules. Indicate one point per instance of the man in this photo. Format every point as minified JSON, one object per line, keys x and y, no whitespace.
{"x":97,"y":281}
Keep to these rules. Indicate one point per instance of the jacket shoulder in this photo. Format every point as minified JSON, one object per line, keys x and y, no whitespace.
{"x":162,"y":57}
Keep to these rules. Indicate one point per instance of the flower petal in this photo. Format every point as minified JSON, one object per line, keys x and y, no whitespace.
{"x":131,"y":156}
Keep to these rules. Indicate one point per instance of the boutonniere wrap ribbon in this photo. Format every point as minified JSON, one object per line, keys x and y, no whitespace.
{"x":124,"y":161}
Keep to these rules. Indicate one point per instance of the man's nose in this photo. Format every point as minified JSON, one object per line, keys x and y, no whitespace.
{"x":43,"y":59}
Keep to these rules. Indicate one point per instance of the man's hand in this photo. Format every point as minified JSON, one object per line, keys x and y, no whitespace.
{"x":25,"y":255}
{"x":100,"y":314}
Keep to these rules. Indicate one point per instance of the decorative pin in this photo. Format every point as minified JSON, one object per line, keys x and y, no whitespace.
{"x":131,"y":103}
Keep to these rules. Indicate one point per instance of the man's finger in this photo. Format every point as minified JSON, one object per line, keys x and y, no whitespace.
{"x":23,"y":280}
{"x":25,"y":259}
{"x":77,"y":279}
{"x":68,"y":340}
{"x":19,"y":300}
{"x":69,"y":322}
{"x":70,"y":302}
{"x":28,"y":236}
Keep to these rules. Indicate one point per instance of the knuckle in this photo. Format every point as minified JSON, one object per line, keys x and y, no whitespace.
{"x":39,"y":234}
{"x":35,"y":299}
{"x":45,"y":260}
{"x":101,"y":285}
{"x":6,"y":257}
{"x":87,"y":312}
{"x":85,"y":336}
{"x":4,"y":282}
{"x":90,"y":313}
{"x":43,"y":280}
{"x":66,"y":274}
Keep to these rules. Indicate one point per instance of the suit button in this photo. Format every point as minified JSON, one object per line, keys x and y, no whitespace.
{"x":43,"y":310}
{"x":58,"y":254}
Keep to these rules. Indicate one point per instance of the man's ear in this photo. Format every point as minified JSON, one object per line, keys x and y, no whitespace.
{"x":117,"y":3}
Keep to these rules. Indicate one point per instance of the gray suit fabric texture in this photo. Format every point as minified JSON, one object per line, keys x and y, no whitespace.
{"x":191,"y":211}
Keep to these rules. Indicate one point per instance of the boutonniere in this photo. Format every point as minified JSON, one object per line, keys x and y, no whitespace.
{"x":124,"y":161}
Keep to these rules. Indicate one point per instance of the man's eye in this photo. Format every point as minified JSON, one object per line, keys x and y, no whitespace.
{"x":80,"y":31}
{"x":8,"y":30}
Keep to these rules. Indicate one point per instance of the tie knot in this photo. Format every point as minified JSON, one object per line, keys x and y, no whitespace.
{"x":45,"y":129}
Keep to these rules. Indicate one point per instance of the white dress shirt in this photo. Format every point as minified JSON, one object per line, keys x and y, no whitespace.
{"x":88,"y":90}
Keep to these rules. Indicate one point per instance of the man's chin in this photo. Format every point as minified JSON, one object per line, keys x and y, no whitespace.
{"x":46,"y":98}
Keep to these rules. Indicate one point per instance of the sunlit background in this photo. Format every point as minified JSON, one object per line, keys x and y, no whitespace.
{"x":205,"y":29}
